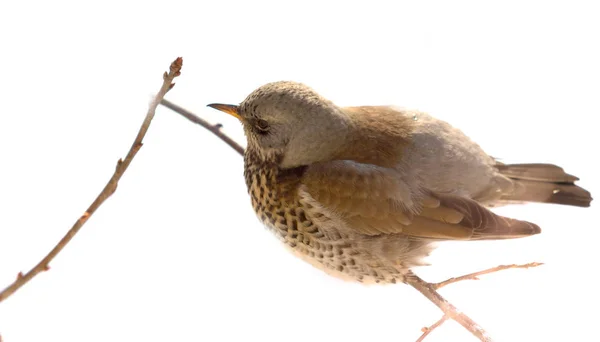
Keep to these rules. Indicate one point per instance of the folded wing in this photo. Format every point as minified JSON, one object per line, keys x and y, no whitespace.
{"x":374,"y":200}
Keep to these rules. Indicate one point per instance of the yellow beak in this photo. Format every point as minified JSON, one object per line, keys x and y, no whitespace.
{"x":229,"y":109}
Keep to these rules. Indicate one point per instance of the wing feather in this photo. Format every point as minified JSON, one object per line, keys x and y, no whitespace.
{"x":374,"y":200}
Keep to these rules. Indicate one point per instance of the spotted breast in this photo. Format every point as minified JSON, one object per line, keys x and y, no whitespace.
{"x":276,"y":199}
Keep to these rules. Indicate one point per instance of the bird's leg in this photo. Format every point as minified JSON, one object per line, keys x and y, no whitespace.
{"x":475,"y":275}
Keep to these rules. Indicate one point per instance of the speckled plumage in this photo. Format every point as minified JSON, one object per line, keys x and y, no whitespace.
{"x":280,"y":203}
{"x":364,"y":192}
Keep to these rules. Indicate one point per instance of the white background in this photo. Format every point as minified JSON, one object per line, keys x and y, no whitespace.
{"x":177,"y":253}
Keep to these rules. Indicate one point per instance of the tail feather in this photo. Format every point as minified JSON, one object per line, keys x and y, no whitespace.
{"x":543,"y":183}
{"x":537,"y":172}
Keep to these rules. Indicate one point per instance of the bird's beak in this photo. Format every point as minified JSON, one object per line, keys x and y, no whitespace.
{"x":229,"y":109}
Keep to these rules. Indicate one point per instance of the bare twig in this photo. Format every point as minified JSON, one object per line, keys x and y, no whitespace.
{"x":421,"y":286}
{"x":109,"y":189}
{"x":475,"y":275}
{"x":427,"y":330}
{"x":215,"y":129}
{"x":428,"y":290}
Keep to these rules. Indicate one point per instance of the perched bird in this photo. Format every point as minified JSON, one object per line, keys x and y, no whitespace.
{"x":363,"y":193}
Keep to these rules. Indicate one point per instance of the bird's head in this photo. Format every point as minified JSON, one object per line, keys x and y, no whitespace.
{"x":290,"y":124}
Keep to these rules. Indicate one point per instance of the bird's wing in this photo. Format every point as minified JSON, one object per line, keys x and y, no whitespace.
{"x":374,"y":200}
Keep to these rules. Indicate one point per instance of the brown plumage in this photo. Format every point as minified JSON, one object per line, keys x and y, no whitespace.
{"x":543,"y":183}
{"x":363,"y":192}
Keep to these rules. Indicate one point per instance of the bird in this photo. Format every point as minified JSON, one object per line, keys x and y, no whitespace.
{"x":366,"y":193}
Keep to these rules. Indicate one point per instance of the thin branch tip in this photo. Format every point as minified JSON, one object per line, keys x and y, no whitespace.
{"x":177,"y":64}
{"x":427,"y":330}
{"x":215,"y":129}
{"x":475,"y":275}
{"x":107,"y":191}
{"x":175,"y":67}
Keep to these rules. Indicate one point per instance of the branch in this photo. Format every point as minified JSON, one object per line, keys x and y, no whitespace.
{"x":470,"y":276}
{"x":109,"y":189}
{"x":475,"y":275}
{"x":215,"y":129}
{"x":429,"y":290}
{"x":427,"y":330}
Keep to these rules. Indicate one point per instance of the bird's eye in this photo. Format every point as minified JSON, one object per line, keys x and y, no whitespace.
{"x":262,"y":125}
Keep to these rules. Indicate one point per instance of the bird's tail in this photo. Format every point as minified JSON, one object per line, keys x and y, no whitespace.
{"x":543,"y":183}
